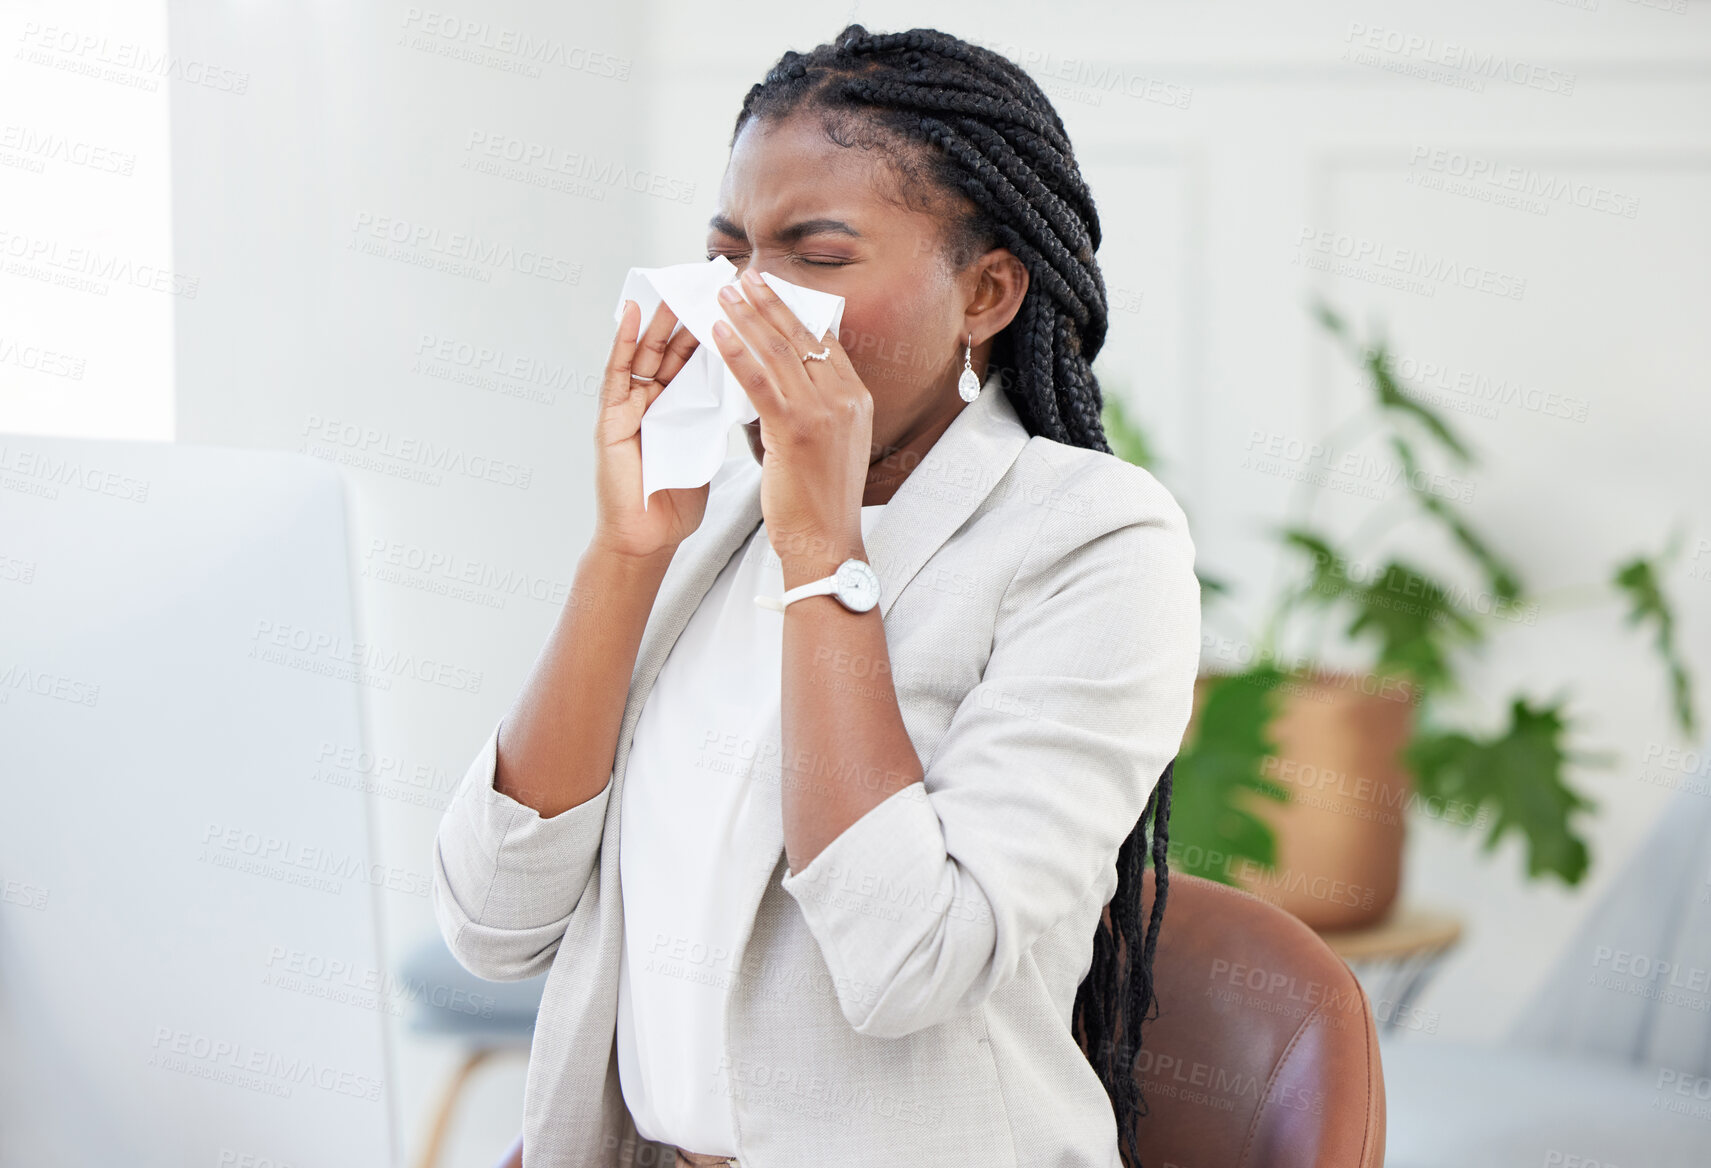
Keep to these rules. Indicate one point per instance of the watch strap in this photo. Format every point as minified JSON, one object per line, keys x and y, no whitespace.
{"x":818,"y":587}
{"x":823,"y":586}
{"x":813,"y":588}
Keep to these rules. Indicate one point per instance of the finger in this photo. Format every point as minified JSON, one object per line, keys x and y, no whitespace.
{"x":775,"y":312}
{"x":770,"y":348}
{"x":839,"y":358}
{"x":615,"y":386}
{"x":678,"y":350}
{"x":772,"y":308}
{"x":650,"y":390}
{"x":650,"y":350}
{"x":754,"y":377}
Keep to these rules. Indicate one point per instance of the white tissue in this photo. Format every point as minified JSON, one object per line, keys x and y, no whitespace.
{"x":686,"y":430}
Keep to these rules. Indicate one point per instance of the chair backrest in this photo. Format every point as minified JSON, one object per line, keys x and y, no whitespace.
{"x":1631,"y":985}
{"x":1264,"y":1053}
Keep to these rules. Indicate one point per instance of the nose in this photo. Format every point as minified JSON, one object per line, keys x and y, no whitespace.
{"x":743,"y":267}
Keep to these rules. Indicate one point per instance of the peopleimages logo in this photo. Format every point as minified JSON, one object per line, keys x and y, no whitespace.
{"x":82,"y":268}
{"x":101,"y":57}
{"x":389,"y":237}
{"x":529,"y":156}
{"x":1534,"y":190}
{"x":274,"y":640}
{"x":249,"y":1066}
{"x":35,"y":147}
{"x":42,"y":472}
{"x":528,"y":51}
{"x":374,"y":448}
{"x":1436,"y":60}
{"x":311,"y":865}
{"x":1419,"y":270}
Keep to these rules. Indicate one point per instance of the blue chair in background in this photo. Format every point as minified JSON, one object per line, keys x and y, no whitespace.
{"x":485,"y":1018}
{"x":1610,"y":1063}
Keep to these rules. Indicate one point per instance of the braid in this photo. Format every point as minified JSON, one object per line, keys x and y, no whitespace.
{"x":1117,"y":995}
{"x":972,"y":123}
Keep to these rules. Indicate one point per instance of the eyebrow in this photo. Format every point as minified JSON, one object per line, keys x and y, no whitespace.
{"x":789,"y":234}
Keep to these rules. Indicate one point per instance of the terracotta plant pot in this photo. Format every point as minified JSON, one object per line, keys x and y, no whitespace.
{"x":1339,"y":838}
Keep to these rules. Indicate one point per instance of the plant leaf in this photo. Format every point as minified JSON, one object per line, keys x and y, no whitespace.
{"x":1212,"y":586}
{"x":1391,"y":397}
{"x":1327,"y":579}
{"x":1126,"y":439}
{"x":1503,"y":580}
{"x":1329,"y":317}
{"x":1517,"y":776}
{"x":1640,"y":579}
{"x":1416,"y":622}
{"x":1219,"y":773}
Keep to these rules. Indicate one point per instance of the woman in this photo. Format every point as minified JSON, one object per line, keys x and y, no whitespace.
{"x":824,"y":886}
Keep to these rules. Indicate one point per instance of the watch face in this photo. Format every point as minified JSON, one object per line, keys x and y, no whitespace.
{"x":858,"y":586}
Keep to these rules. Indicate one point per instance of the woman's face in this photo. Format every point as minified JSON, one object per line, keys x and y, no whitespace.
{"x":826,"y":217}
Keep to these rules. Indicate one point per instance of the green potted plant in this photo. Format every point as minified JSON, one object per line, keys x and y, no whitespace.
{"x":1295,"y":780}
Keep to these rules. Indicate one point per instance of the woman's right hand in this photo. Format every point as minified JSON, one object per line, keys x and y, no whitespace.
{"x":672,"y":515}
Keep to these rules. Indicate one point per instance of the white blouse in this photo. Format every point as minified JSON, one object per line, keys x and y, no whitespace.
{"x":710,"y":721}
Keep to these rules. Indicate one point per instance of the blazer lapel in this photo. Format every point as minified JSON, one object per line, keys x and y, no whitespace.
{"x":974,"y":452}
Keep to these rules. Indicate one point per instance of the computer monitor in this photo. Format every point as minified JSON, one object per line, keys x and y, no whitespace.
{"x":190,"y":969}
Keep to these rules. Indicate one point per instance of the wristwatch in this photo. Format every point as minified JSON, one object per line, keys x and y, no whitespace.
{"x":855,"y":585}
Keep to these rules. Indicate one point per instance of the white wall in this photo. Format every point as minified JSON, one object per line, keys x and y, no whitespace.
{"x":87,"y":276}
{"x":318,"y":331}
{"x":1237,"y":128}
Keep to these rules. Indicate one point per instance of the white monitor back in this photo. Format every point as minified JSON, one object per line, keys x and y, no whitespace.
{"x":190,"y":972}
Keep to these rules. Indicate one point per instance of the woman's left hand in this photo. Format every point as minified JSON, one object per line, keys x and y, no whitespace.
{"x":816,"y":425}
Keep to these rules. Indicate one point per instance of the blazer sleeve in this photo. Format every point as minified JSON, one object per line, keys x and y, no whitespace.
{"x":929,"y":901}
{"x":506,"y":881}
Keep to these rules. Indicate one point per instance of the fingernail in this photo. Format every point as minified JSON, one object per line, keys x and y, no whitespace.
{"x":729,"y":294}
{"x":721,"y":330}
{"x":752,"y":276}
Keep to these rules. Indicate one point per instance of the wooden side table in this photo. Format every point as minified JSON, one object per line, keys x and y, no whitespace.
{"x":1396,"y":958}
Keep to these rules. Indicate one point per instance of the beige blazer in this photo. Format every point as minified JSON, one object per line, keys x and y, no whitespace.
{"x":906,"y":998}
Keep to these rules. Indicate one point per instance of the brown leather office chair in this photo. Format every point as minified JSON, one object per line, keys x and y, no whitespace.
{"x":1264,"y":1053}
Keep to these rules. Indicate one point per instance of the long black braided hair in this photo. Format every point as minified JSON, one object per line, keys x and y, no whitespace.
{"x":955,"y":119}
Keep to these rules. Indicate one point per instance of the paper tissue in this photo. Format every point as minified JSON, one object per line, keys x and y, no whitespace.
{"x":686,"y":430}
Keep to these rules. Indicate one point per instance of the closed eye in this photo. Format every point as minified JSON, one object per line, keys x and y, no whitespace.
{"x":799,"y":259}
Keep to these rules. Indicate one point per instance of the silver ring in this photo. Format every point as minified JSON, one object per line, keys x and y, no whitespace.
{"x":823,"y":355}
{"x":639,"y":377}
